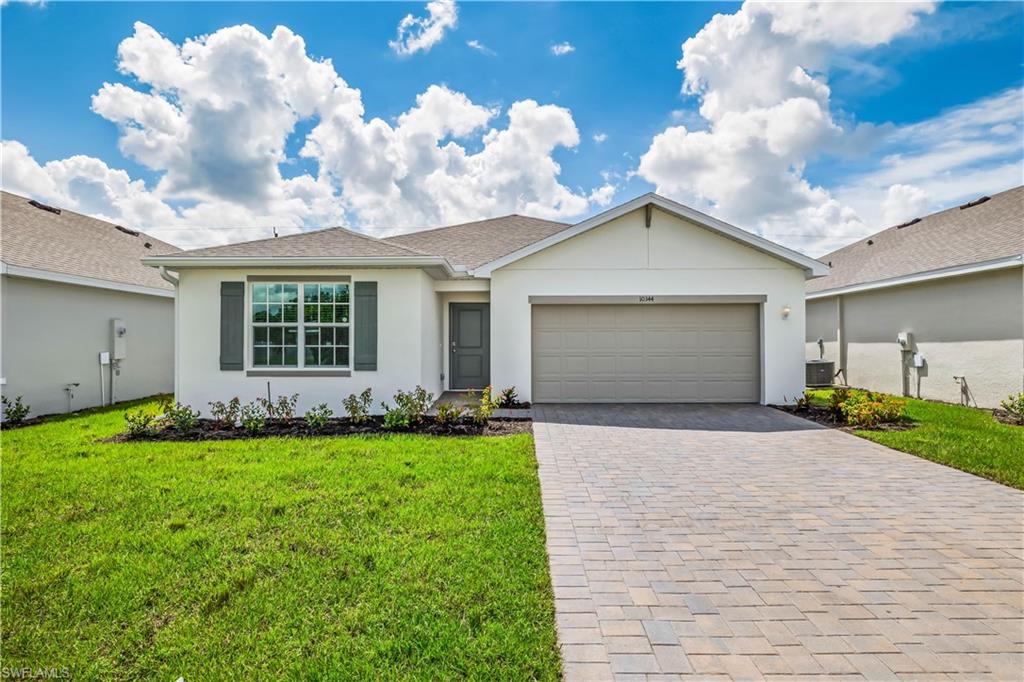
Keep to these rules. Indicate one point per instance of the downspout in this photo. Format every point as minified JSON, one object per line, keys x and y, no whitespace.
{"x":177,"y":364}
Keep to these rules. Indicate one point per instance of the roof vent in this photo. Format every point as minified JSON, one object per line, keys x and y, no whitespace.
{"x":148,"y":245}
{"x":971,"y":204}
{"x":133,"y":233}
{"x":915,"y":221}
{"x":870,"y":242}
{"x":51,"y":209}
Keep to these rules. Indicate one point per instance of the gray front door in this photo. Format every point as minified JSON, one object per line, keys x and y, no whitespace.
{"x":470,"y":345}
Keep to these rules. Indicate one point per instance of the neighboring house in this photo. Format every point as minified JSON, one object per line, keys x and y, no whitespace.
{"x":649,"y":301}
{"x":65,"y":279}
{"x":951,"y":283}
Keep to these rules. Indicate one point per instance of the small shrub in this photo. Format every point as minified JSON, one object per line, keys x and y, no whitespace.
{"x":865,"y":408}
{"x":181,"y":418}
{"x":485,"y":406}
{"x":15,"y":410}
{"x":803,"y":403}
{"x":1014,"y":406}
{"x":449,"y":413}
{"x":138,"y":423}
{"x":509,"y":398}
{"x":227,"y":414}
{"x":415,"y":403}
{"x":317,"y":417}
{"x":254,"y":417}
{"x":358,"y":406}
{"x":283,"y":408}
{"x":395,"y":418}
{"x":835,"y":403}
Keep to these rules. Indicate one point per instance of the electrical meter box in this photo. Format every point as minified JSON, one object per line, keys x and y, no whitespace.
{"x":119,"y":332}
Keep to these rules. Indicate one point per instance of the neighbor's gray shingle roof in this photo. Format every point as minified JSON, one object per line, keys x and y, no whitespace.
{"x":476,"y":243}
{"x":988,"y":231}
{"x":75,"y":244}
{"x":333,"y":242}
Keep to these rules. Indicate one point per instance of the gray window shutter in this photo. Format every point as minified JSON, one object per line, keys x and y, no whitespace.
{"x":365,"y":320}
{"x":232,"y":325}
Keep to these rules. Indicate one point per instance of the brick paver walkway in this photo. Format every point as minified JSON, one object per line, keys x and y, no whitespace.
{"x":743,"y":542}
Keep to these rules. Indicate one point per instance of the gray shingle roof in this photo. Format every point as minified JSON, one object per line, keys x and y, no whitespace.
{"x":988,"y":231}
{"x":74,"y":244}
{"x":333,"y":242}
{"x":476,"y":243}
{"x":467,"y":244}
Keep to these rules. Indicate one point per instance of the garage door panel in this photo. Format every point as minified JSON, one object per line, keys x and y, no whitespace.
{"x":641,"y":353}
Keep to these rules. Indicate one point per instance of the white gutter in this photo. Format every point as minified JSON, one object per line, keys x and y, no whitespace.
{"x":928,"y":275}
{"x":304,"y":261}
{"x":168,"y":277}
{"x":64,"y":278}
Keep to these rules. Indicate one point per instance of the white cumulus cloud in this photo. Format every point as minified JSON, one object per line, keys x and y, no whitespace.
{"x":422,"y":33}
{"x":212,"y":117}
{"x":600,"y":137}
{"x":765,"y":103}
{"x":480,"y":47}
{"x":562,"y":48}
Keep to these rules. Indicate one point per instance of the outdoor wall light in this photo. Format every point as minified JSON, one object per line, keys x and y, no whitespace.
{"x":786,"y":310}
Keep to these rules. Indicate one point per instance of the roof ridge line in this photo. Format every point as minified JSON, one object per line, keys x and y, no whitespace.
{"x":473,"y":222}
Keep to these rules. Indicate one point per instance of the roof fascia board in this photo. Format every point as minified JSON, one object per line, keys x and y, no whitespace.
{"x":63,"y":278}
{"x":813,"y":267}
{"x":302,"y":261}
{"x":928,"y":275}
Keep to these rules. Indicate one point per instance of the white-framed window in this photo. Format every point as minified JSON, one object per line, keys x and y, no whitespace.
{"x":300,"y":324}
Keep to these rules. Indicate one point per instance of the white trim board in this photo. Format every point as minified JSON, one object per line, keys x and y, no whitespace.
{"x":814,"y":268}
{"x":926,"y":276}
{"x":63,"y":278}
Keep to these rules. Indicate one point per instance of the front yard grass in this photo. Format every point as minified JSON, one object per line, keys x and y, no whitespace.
{"x":322,"y":558}
{"x":965,"y":438}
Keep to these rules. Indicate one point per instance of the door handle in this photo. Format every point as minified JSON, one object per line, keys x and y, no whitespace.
{"x":453,"y":346}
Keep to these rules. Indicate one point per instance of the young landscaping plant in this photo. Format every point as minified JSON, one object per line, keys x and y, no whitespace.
{"x":15,"y":411}
{"x":395,"y":418}
{"x":449,"y":413}
{"x":358,"y":406}
{"x":254,"y":417}
{"x":485,"y":407}
{"x":283,"y":408}
{"x":509,"y":398}
{"x":227,"y":414}
{"x":1014,"y":406}
{"x":138,"y":423}
{"x":866,"y":408}
{"x":414,"y":404}
{"x":317,"y":417}
{"x":181,"y":418}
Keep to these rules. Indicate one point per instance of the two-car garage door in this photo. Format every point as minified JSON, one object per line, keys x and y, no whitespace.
{"x":646,"y":353}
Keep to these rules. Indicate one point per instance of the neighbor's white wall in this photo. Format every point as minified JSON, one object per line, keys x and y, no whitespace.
{"x":407,"y":337}
{"x":969,"y":326}
{"x":53,"y":334}
{"x":672,"y":257}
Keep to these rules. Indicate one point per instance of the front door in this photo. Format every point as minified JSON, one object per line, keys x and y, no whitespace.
{"x":470,"y":354}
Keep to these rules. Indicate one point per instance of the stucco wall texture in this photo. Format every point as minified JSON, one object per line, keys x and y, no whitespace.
{"x":970,"y":326}
{"x":53,"y":335}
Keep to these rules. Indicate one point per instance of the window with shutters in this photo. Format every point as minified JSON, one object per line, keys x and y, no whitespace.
{"x":300,"y":324}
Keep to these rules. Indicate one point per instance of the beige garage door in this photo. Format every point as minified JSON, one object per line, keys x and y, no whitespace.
{"x":646,"y":353}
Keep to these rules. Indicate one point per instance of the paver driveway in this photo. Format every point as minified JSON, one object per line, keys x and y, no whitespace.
{"x":745,"y":542}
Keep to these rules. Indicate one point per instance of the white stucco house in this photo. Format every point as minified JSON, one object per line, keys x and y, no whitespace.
{"x":649,"y":301}
{"x":931,"y":308}
{"x":83,"y":322}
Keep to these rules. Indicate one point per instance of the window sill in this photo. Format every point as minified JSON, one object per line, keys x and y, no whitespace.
{"x":285,"y":372}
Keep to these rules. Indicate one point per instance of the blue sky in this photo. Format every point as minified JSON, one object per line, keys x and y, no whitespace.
{"x":810,"y":161}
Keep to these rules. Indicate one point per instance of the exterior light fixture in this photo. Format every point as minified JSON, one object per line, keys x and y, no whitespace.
{"x":786,"y":310}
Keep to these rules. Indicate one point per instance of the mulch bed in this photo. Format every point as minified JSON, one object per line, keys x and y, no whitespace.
{"x":1006,"y":418}
{"x":822,"y":416}
{"x":208,"y":429}
{"x":514,"y":405}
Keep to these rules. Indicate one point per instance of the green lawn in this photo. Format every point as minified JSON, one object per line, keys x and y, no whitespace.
{"x":346,"y":558}
{"x":961,"y":437}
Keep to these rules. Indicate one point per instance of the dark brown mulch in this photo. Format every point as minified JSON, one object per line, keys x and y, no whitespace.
{"x":515,"y":405}
{"x":208,"y":429}
{"x":820,"y":415}
{"x":1006,"y":418}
